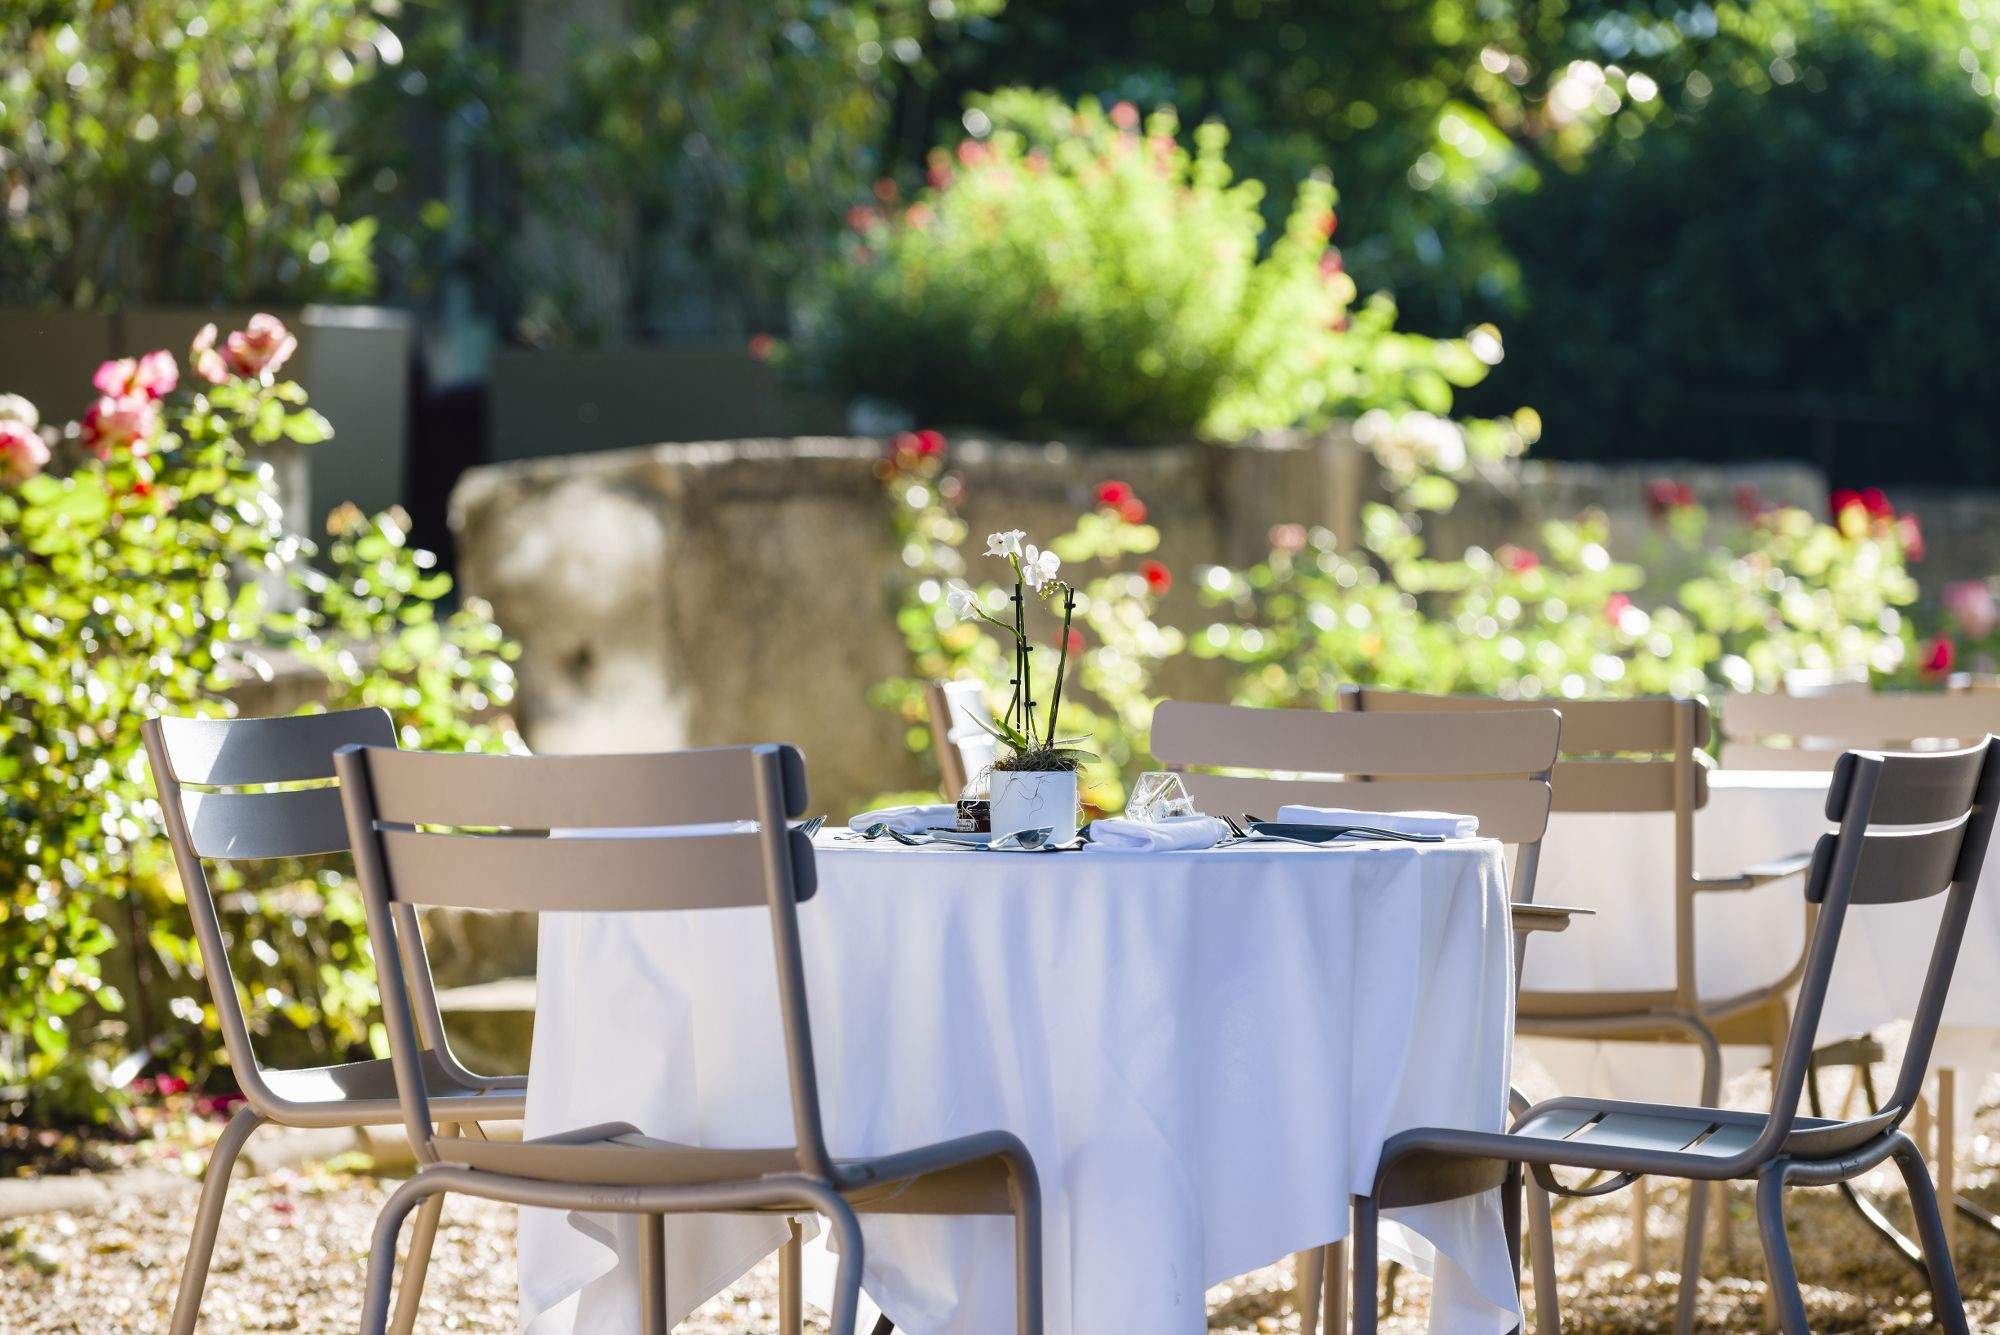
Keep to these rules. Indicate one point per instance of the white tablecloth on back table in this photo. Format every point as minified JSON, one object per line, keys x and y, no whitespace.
{"x":1622,"y":866}
{"x":1203,"y":1051}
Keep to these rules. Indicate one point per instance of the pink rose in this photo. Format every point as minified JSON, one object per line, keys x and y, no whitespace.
{"x":1972,"y":606}
{"x":209,"y":364}
{"x":261,"y":347}
{"x":154,"y":375}
{"x":23,"y":452}
{"x":125,"y":422}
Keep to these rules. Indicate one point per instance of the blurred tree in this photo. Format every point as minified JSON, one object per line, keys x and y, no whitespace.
{"x":1799,"y":262}
{"x":181,"y":150}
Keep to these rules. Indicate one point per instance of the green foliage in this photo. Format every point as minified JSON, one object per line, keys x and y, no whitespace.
{"x":1073,"y":270}
{"x":181,"y":150}
{"x":134,"y":576}
{"x":1567,"y":622}
{"x":1792,"y":262}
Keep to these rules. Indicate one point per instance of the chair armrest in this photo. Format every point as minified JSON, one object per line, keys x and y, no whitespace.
{"x":1545,"y":917}
{"x":1762,"y":874}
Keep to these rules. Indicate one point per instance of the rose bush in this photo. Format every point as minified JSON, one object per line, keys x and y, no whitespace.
{"x":136,"y":548}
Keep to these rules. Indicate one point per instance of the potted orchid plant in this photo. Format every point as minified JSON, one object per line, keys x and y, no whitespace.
{"x":1034,"y":780}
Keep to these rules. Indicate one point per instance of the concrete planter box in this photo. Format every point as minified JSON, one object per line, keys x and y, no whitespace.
{"x":557,"y":403}
{"x":357,"y":363}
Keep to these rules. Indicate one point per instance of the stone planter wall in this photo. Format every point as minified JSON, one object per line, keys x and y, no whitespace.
{"x":735,"y":591}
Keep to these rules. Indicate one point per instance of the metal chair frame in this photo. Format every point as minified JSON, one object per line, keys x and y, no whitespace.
{"x":689,"y":830}
{"x":228,"y":792}
{"x":1910,"y":827}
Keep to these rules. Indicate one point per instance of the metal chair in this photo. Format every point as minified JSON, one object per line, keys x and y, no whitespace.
{"x":667,"y":832}
{"x":1911,"y":827}
{"x":202,"y":769}
{"x":1495,"y":766}
{"x":1636,"y":756}
{"x":963,"y":748}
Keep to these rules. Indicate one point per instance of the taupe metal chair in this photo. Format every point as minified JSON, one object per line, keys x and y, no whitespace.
{"x":665,"y":832}
{"x":1810,"y":732}
{"x":1637,"y":756}
{"x":214,"y":778}
{"x":964,"y":748}
{"x":1495,"y":766}
{"x":1911,"y":827}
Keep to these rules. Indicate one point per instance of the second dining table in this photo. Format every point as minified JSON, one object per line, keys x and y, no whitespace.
{"x":1203,"y":1050}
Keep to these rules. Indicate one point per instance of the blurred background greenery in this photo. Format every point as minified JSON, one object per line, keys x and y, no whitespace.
{"x":1755,"y":227}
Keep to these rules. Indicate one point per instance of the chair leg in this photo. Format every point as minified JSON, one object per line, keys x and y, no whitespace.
{"x":1542,"y":1253}
{"x":1861,"y":1205}
{"x":1947,"y":1304}
{"x":208,"y":1218}
{"x":1333,"y":1296}
{"x":1782,"y":1275}
{"x":1025,"y":1187}
{"x":845,"y":1312}
{"x":382,"y":1255}
{"x":1696,"y":1229}
{"x":1308,"y":1285}
{"x":791,"y":1266}
{"x":410,"y":1293}
{"x":1366,"y":1265}
{"x":653,"y":1275}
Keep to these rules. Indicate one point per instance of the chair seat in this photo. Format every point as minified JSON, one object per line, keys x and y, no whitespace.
{"x":617,"y":1154}
{"x":1707,"y":1133}
{"x":364,"y":1093}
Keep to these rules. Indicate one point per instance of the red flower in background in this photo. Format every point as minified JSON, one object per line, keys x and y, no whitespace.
{"x":762,"y":346}
{"x":1113,"y":494}
{"x":1288,"y":537}
{"x":153,"y":376}
{"x":1749,"y":503}
{"x":1616,"y":606}
{"x":1125,"y":116}
{"x":121,"y":423}
{"x":1843,"y":497}
{"x":1876,"y":503}
{"x":1939,"y":655}
{"x":1664,"y":494}
{"x":1158,"y":578}
{"x":1133,"y":510}
{"x":23,"y":452}
{"x":1911,"y":535}
{"x":929,"y":443}
{"x":1519,"y":559}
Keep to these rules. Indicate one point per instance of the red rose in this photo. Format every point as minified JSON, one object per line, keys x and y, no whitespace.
{"x":1075,"y":640}
{"x":1664,"y":494}
{"x":121,"y":423}
{"x":1132,"y":510}
{"x":1113,"y":494}
{"x":1519,"y":559}
{"x":1876,"y":503}
{"x":928,"y":443}
{"x":1158,"y":578}
{"x":1938,"y":657}
{"x":1842,"y":498}
{"x":762,"y":346}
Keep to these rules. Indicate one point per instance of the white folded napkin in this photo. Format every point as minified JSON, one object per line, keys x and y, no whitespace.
{"x":1402,"y":822}
{"x":908,"y":820}
{"x":1173,"y":834}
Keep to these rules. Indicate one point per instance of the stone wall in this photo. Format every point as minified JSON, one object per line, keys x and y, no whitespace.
{"x":688,"y":595}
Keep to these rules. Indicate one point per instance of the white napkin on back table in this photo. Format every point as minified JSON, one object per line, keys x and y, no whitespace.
{"x":1402,"y":822}
{"x":908,"y":820}
{"x":1174,"y":834}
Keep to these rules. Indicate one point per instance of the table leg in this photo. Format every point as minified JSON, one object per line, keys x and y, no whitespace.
{"x":1947,"y":1149}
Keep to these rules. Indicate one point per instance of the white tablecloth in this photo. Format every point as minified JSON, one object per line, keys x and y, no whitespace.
{"x":1203,"y":1051}
{"x":1622,"y":866}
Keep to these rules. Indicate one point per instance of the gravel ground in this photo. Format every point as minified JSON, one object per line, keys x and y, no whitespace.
{"x":292,"y":1259}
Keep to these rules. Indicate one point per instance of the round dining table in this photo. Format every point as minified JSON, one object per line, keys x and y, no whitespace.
{"x":1621,"y":865}
{"x":1203,"y":1050}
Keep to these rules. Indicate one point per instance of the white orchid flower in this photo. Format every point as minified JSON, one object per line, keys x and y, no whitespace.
{"x":1038,"y":567}
{"x":960,"y":598}
{"x":1005,"y":544}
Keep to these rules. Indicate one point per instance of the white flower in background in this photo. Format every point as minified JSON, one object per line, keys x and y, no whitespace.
{"x":14,"y":408}
{"x":1005,"y":544}
{"x":959,"y":597}
{"x":1038,"y":567}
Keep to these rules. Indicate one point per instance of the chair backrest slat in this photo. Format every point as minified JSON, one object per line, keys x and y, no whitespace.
{"x":619,"y":873}
{"x":575,"y":792}
{"x":1777,"y":731}
{"x":1623,"y":785}
{"x":242,"y":827}
{"x":1589,"y":727}
{"x":1896,"y":866}
{"x":1914,"y":789}
{"x":244,"y":752}
{"x":1514,"y":811}
{"x":1385,"y":745}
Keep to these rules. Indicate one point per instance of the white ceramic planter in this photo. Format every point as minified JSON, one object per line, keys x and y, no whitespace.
{"x":1033,"y":800}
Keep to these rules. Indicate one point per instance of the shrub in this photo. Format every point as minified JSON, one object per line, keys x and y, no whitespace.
{"x":136,"y":547}
{"x":180,"y":150}
{"x":1070,"y":269}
